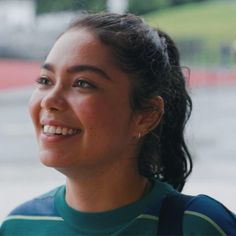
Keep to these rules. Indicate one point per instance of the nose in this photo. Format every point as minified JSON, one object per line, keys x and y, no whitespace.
{"x":54,"y":100}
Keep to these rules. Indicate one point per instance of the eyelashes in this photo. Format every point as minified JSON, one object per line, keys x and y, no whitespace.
{"x":43,"y":80}
{"x":83,"y":83}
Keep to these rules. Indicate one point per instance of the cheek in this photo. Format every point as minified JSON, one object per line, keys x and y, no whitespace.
{"x":103,"y":113}
{"x":92,"y":112}
{"x":34,"y":107}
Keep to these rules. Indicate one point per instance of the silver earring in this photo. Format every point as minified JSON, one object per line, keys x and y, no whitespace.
{"x":139,"y":135}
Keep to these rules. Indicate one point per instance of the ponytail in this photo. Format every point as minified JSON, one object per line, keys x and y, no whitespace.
{"x":176,"y":160}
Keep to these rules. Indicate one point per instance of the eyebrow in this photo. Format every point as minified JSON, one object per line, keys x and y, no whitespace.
{"x":79,"y":68}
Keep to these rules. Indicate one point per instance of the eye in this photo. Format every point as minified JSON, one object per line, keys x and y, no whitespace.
{"x":81,"y":83}
{"x":43,"y":80}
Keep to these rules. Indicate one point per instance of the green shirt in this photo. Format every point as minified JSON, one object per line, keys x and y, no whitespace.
{"x":49,"y":214}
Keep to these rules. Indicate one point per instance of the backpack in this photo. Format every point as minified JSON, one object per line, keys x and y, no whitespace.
{"x":171,"y":214}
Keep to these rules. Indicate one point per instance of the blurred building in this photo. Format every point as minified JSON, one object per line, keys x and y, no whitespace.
{"x":26,"y":35}
{"x":17,"y":13}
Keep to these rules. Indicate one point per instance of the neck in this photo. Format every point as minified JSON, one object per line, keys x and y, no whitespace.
{"x":104,"y":191}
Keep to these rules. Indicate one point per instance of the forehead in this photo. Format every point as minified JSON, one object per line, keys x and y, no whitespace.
{"x":79,"y":46}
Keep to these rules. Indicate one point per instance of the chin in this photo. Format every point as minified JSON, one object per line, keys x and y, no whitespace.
{"x":51,"y":159}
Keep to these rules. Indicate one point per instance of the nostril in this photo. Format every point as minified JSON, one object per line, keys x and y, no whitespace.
{"x":51,"y":109}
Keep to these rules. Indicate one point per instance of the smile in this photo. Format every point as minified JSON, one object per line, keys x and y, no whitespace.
{"x":58,"y":130}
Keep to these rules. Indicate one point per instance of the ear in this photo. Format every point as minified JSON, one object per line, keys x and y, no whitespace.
{"x":146,"y":120}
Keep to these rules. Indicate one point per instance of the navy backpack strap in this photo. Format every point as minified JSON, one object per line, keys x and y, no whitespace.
{"x":171,"y":214}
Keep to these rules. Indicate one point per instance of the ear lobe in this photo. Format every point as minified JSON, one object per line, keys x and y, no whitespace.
{"x":150,"y":118}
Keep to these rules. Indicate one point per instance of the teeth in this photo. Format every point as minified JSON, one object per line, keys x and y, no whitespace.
{"x":52,"y":130}
{"x":45,"y":128}
{"x":64,"y":131}
{"x":58,"y":130}
{"x":70,"y":131}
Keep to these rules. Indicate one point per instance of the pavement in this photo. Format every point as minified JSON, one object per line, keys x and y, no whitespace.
{"x":210,"y":134}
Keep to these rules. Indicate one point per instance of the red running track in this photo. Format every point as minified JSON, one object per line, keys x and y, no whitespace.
{"x":14,"y":74}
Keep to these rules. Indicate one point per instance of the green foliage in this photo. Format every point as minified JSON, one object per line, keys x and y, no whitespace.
{"x":179,"y":2}
{"x":211,"y":21}
{"x":44,"y":6}
{"x":204,"y":27}
{"x":141,"y":7}
{"x":135,"y":6}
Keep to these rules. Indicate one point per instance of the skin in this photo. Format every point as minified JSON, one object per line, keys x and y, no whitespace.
{"x":100,"y":161}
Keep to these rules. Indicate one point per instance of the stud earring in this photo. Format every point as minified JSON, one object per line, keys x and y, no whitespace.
{"x":139,"y":135}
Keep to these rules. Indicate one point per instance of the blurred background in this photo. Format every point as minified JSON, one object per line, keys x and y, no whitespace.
{"x":205,"y":32}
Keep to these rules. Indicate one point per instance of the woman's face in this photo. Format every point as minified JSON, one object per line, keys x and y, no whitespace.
{"x":81,"y":107}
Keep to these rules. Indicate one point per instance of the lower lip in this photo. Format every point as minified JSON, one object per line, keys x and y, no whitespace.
{"x":55,"y":138}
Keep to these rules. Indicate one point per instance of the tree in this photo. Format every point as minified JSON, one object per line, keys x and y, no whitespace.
{"x":141,"y":7}
{"x":44,"y":6}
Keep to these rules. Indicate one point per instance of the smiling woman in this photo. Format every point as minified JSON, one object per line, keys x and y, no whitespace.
{"x":109,"y":113}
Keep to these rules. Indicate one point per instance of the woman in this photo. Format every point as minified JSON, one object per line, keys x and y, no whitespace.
{"x":109,"y":112}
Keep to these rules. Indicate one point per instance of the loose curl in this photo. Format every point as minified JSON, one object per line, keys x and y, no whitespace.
{"x":151,"y":59}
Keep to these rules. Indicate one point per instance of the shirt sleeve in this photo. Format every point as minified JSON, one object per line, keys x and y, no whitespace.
{"x":206,"y":216}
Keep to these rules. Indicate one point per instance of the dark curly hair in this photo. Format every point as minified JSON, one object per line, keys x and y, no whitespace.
{"x":151,"y":58}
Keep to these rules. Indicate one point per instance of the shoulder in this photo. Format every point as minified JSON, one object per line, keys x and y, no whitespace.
{"x":29,"y":215}
{"x":42,"y":205}
{"x":208,"y":216}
